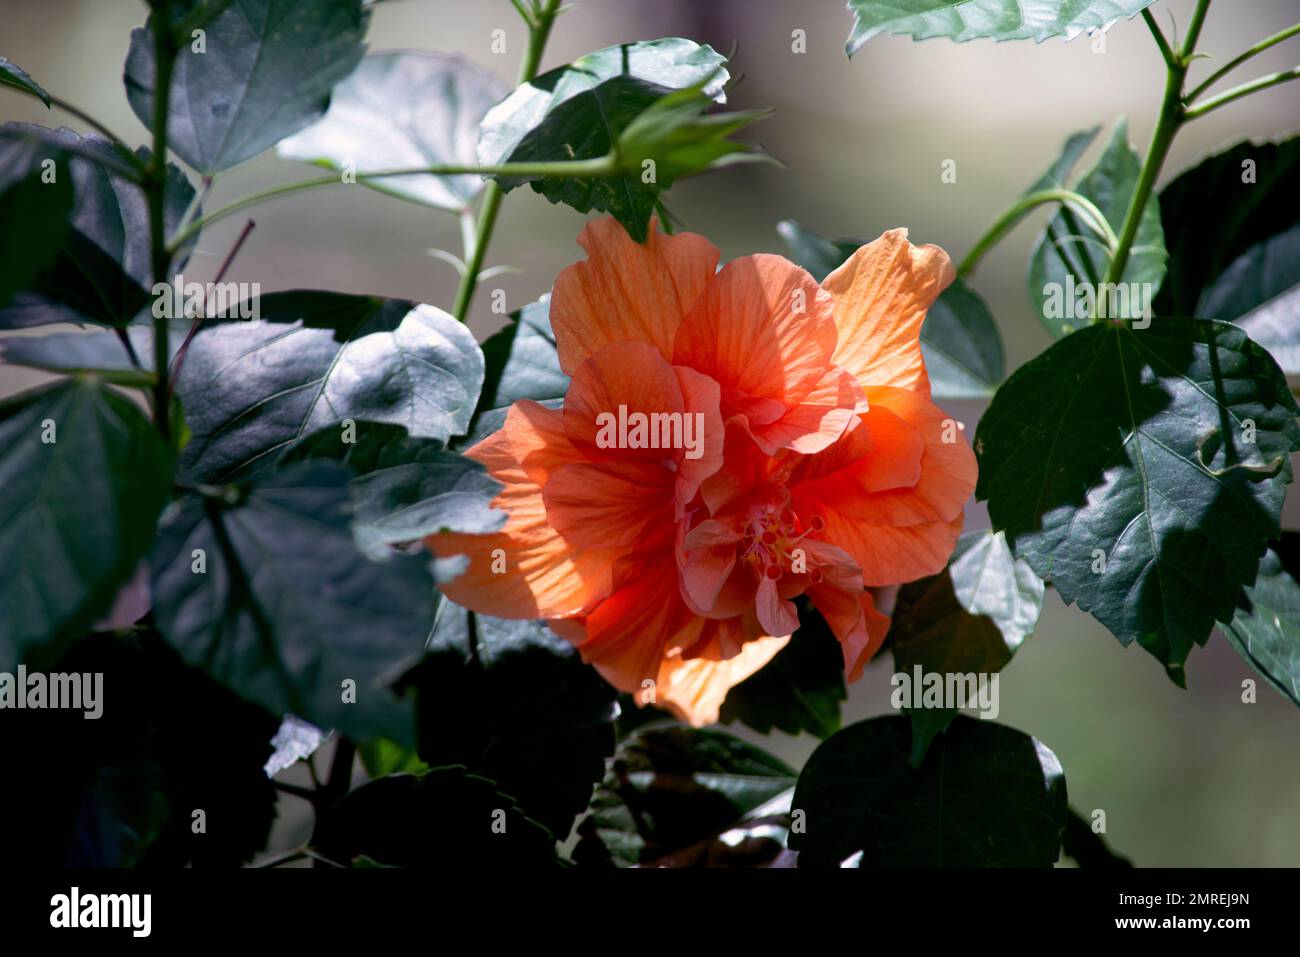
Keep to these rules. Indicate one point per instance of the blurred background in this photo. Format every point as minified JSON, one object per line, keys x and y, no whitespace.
{"x":1186,"y":778}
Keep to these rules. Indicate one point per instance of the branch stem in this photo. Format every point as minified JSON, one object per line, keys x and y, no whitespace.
{"x":1013,"y":215}
{"x":601,"y":166}
{"x":1237,"y":61}
{"x":539,"y":30}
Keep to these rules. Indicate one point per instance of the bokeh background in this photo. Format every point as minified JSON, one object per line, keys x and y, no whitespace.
{"x":1192,"y":777}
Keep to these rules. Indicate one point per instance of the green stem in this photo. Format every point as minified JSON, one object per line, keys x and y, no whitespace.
{"x":1232,"y":64}
{"x":601,"y":166}
{"x":1172,"y":116}
{"x":539,"y":30}
{"x":1237,"y":92}
{"x":1007,"y":221}
{"x":1193,"y":32}
{"x":1159,"y":36}
{"x":156,"y":192}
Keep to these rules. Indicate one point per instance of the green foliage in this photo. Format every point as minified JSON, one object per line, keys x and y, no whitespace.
{"x":101,"y":273}
{"x":514,"y":702}
{"x":225,"y":518}
{"x":11,"y":74}
{"x":263,"y":587}
{"x":1266,"y":628}
{"x":669,"y":795}
{"x":67,"y":544}
{"x":996,"y":19}
{"x":968,"y":619}
{"x":1070,"y":253}
{"x":120,"y":790}
{"x":1141,"y":472}
{"x":985,"y":796}
{"x":444,"y":818}
{"x":581,"y":111}
{"x":400,"y":110}
{"x":521,"y":362}
{"x":266,"y":70}
{"x":1238,"y":258}
{"x":318,"y":359}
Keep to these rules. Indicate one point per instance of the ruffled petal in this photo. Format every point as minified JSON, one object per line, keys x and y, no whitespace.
{"x":880,"y":296}
{"x":694,"y":688}
{"x":527,"y":569}
{"x":763,"y":331}
{"x":626,"y":291}
{"x":855,"y":621}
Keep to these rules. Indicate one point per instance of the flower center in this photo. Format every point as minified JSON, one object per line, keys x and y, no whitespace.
{"x":772,"y":543}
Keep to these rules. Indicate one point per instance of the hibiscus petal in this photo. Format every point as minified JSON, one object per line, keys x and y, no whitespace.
{"x":763,"y":330}
{"x":611,"y":504}
{"x":880,"y":295}
{"x":629,"y":634}
{"x":626,"y":291}
{"x":856,"y":623}
{"x":702,"y":397}
{"x":776,"y":615}
{"x":694,"y":688}
{"x":820,"y":418}
{"x":707,"y":556}
{"x":527,"y":569}
{"x":882,"y":449}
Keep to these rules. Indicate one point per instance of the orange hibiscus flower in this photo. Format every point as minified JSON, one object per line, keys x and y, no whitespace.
{"x":731,"y":439}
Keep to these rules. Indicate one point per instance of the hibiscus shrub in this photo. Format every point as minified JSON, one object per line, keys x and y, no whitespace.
{"x":518,"y":580}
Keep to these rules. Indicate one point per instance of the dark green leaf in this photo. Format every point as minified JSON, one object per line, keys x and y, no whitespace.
{"x":800,"y":689}
{"x":671,"y":792}
{"x":1266,"y":629}
{"x":1069,"y":259}
{"x":99,"y":352}
{"x":961,"y":345}
{"x":35,"y":213}
{"x":579,"y":112}
{"x":318,"y":359}
{"x":443,"y":818}
{"x":406,"y":488}
{"x":986,"y":796}
{"x":381,"y":757}
{"x":1121,"y":467}
{"x":963,"y":20}
{"x":1086,"y":847}
{"x":285,"y":610}
{"x":521,"y":362}
{"x":122,"y":790}
{"x":968,"y":619}
{"x":1058,"y":174}
{"x":404,"y":503}
{"x":11,"y":74}
{"x":959,"y":339}
{"x":514,"y":702}
{"x":399,"y":110}
{"x":102,"y":274}
{"x":1238,"y":258}
{"x":83,"y":480}
{"x":818,"y":255}
{"x":266,"y":71}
